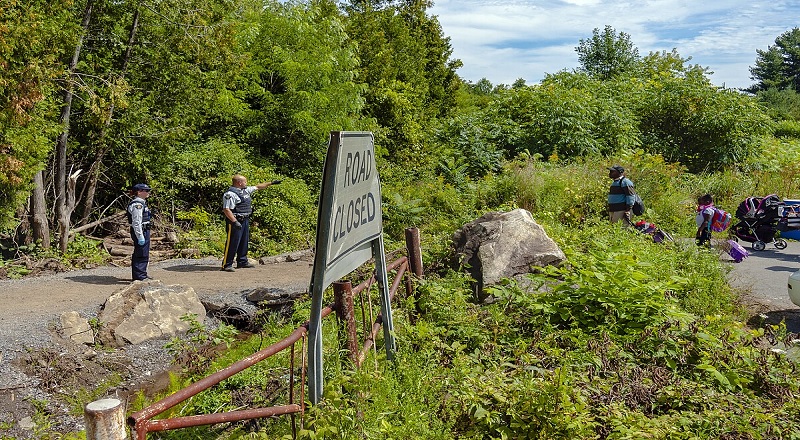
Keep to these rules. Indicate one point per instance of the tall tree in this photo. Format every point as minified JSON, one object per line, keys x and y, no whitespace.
{"x":156,"y":81}
{"x":779,"y":65}
{"x":406,"y":65}
{"x":300,"y":86}
{"x":32,"y":36}
{"x":102,"y":145}
{"x":65,"y":183}
{"x":607,"y":54}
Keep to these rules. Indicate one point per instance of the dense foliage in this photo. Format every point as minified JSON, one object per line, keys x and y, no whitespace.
{"x":183,"y":94}
{"x":184,"y":98}
{"x":607,"y":54}
{"x":630,"y":339}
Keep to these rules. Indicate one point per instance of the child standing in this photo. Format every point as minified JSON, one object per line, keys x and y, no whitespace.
{"x":705,"y":211}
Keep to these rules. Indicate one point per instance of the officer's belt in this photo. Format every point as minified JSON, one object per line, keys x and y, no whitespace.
{"x":241,"y":215}
{"x":145,"y":225}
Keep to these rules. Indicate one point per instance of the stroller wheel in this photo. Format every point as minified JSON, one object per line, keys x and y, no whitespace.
{"x":759,"y":245}
{"x":780,"y":244}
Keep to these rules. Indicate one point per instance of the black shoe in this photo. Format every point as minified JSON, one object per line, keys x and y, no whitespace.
{"x":245,"y":266}
{"x":228,"y":269}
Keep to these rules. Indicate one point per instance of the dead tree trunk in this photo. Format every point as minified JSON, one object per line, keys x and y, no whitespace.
{"x":63,"y":212}
{"x":41,"y":229}
{"x":97,"y":166}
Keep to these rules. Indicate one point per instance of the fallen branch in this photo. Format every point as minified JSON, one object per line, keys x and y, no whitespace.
{"x":97,"y":222}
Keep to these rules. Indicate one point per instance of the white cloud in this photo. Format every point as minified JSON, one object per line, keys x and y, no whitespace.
{"x":503,"y":40}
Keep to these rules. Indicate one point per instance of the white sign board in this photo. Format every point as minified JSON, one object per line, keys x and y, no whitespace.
{"x":354,"y":217}
{"x":349,"y":233}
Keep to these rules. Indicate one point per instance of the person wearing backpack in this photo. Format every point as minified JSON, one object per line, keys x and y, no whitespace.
{"x":621,"y":196}
{"x":705,"y":212}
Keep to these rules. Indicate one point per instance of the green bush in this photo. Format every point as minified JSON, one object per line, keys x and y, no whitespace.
{"x":787,"y":129}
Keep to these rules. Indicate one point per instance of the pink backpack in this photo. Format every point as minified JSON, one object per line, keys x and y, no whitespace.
{"x":720,"y":220}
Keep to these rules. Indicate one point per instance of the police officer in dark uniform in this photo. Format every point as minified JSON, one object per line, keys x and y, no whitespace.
{"x":237,"y":208}
{"x":139,"y":219}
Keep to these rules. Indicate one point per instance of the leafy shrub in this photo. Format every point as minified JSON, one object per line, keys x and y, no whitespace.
{"x":200,"y":232}
{"x":787,"y":129}
{"x":195,"y":350}
{"x":82,"y":252}
{"x":284,"y":218}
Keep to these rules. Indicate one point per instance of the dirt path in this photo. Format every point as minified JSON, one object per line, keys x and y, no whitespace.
{"x":42,"y":299}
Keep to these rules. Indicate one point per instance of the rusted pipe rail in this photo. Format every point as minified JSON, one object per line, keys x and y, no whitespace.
{"x":401,"y":264}
{"x":141,"y":420}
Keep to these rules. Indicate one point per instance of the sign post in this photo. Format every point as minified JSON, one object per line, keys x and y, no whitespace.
{"x":349,"y":233}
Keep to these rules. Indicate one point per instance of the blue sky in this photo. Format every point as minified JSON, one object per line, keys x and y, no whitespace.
{"x":503,"y":40}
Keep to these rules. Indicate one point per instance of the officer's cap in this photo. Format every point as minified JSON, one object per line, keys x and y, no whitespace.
{"x":617,"y":168}
{"x":140,"y":187}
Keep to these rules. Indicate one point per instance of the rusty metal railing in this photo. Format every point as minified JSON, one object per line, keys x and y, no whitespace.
{"x":143,"y":421}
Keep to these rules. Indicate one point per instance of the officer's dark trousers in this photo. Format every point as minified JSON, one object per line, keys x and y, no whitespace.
{"x":237,"y":243}
{"x":141,"y":256}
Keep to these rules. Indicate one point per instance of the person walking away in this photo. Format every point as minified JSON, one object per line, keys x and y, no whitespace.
{"x":620,"y":196}
{"x":237,"y":207}
{"x":139,"y":219}
{"x":705,"y":211}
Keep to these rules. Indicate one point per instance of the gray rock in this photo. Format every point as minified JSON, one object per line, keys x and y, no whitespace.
{"x":502,"y":245}
{"x":76,"y":328}
{"x":147,"y":310}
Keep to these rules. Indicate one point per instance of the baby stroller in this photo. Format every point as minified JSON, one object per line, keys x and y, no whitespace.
{"x":789,"y":219}
{"x":758,"y":222}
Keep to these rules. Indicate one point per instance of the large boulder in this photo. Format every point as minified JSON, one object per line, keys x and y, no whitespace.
{"x":502,"y":245}
{"x":146,"y":310}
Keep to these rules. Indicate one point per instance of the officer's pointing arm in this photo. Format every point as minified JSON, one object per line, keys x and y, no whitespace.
{"x":266,"y":184}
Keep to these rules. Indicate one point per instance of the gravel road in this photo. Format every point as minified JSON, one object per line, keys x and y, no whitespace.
{"x":28,"y":306}
{"x":30,"y":309}
{"x":763,"y":279}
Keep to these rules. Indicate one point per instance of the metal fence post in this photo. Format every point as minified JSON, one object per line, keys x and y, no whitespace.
{"x":414,"y":251}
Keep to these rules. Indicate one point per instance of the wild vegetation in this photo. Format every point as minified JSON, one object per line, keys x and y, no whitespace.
{"x":631,"y":339}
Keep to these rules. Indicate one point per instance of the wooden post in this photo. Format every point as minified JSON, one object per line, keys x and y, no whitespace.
{"x":343,"y":300}
{"x":414,"y":265}
{"x":414,"y":251}
{"x":105,"y":420}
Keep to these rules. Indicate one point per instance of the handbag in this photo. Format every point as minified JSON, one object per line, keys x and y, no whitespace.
{"x":638,"y":205}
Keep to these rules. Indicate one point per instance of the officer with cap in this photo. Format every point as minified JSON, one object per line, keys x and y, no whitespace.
{"x":620,"y":196}
{"x":139,"y":219}
{"x":237,"y":208}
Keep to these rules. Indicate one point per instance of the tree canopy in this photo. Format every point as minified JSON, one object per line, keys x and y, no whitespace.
{"x":186,"y":94}
{"x":607,"y":54}
{"x":778,"y":66}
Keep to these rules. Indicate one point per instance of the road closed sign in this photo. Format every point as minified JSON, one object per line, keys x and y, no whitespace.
{"x":349,"y":233}
{"x":350,"y":206}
